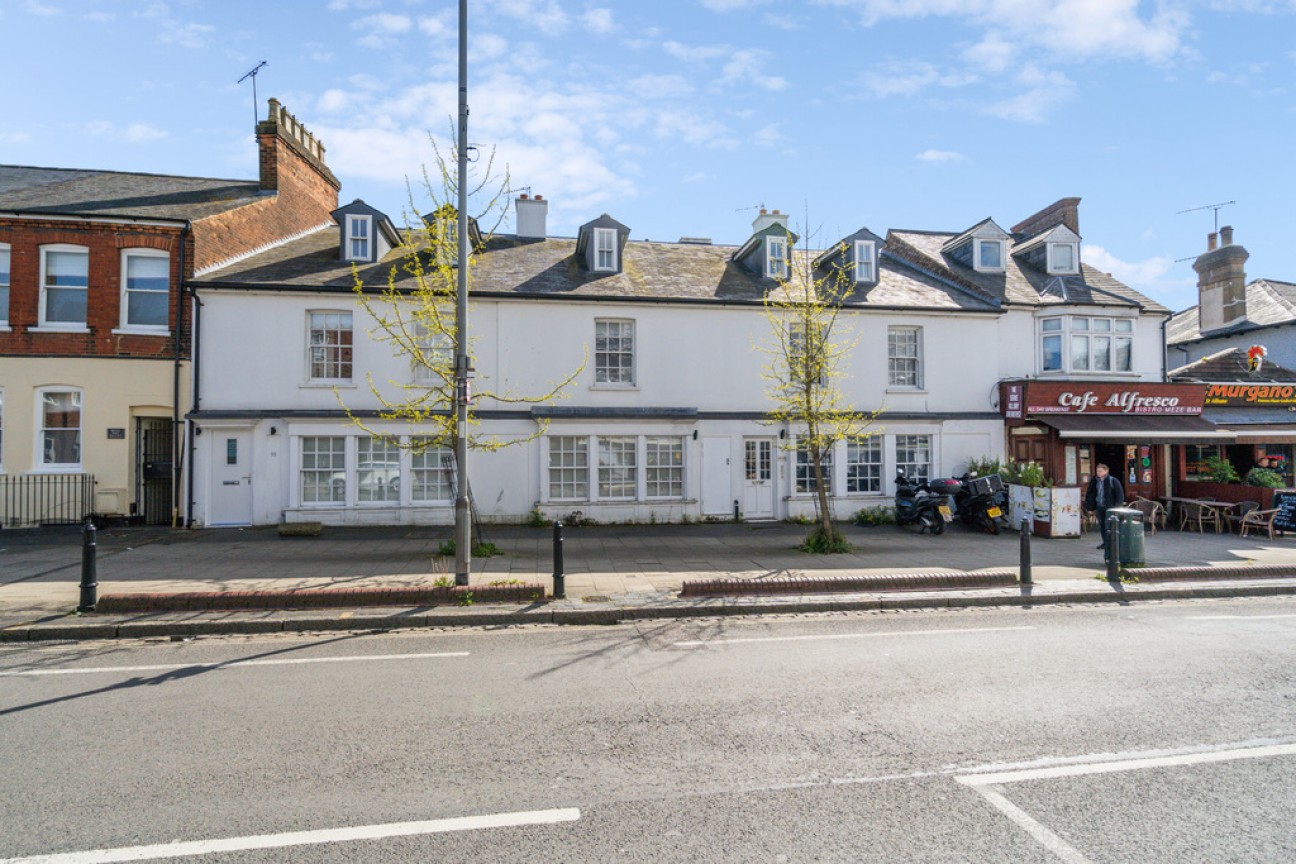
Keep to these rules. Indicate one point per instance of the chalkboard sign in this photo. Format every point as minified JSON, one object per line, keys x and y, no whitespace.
{"x":1286,"y":503}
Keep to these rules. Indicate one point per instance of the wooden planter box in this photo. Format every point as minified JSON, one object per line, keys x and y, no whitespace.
{"x":1231,"y":492}
{"x":1054,"y":511}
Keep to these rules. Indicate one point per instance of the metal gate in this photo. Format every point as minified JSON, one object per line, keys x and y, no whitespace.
{"x":154,"y":452}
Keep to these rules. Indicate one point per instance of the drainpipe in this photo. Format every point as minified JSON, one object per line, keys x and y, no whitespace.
{"x":189,"y":424}
{"x":177,"y":451}
{"x":1165,"y":349}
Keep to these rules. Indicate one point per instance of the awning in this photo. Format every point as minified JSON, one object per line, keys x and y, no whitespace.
{"x":1141,"y":428}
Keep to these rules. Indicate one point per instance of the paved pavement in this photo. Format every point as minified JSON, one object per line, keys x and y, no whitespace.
{"x":629,"y":566}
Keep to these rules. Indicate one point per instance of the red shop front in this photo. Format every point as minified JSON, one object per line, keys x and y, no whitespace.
{"x":1068,"y":427}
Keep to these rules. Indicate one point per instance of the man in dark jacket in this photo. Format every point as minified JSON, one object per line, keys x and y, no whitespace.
{"x":1104,"y":491}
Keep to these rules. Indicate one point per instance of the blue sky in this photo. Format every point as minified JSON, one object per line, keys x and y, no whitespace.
{"x":679,"y":117}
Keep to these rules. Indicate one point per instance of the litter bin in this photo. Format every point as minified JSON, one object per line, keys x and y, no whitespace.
{"x":1129,"y":528}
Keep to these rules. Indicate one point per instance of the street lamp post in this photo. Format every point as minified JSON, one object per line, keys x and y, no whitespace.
{"x":463,"y":524}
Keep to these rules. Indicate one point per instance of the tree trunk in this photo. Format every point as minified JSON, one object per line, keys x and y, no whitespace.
{"x":821,"y":494}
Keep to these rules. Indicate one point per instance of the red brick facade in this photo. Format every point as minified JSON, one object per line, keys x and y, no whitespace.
{"x":104,"y":244}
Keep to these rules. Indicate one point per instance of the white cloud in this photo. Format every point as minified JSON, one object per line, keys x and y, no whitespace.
{"x":659,"y":86}
{"x":344,"y":5}
{"x":544,"y":15}
{"x":695,"y":53}
{"x":732,"y":5}
{"x":135,"y":133}
{"x":993,"y":53}
{"x":1146,"y":276}
{"x":782,"y":22}
{"x":907,"y":78}
{"x":15,"y":138}
{"x":747,"y":66}
{"x":770,"y":136}
{"x":381,"y":29}
{"x":1045,"y":91}
{"x":43,"y":9}
{"x":435,"y":27}
{"x":334,"y":101}
{"x":598,"y":21}
{"x":101,"y":17}
{"x":940,"y":156}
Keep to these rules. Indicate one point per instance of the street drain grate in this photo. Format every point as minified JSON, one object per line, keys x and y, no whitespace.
{"x":595,"y":598}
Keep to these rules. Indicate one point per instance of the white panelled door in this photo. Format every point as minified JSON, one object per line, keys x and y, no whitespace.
{"x":231,"y":477}
{"x":758,"y":478}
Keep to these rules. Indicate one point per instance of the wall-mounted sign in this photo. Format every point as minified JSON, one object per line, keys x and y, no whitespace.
{"x":1255,"y":357}
{"x":1012,"y":401}
{"x":115,"y":432}
{"x":1281,"y":395}
{"x":1095,"y":397}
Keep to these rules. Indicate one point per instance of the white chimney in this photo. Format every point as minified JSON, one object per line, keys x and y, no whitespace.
{"x":766,"y":219}
{"x":531,"y":213}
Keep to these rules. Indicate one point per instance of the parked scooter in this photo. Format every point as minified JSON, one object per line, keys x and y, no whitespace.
{"x":917,"y":504}
{"x":982,"y":502}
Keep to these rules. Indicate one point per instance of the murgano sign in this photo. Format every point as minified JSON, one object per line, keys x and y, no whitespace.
{"x":1251,"y":395}
{"x":1019,"y":399}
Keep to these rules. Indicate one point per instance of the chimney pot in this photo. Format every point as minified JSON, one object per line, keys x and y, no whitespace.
{"x":764,"y":211}
{"x":776,"y":213}
{"x":524,"y":196}
{"x":539,"y":197}
{"x":1226,"y":235}
{"x":1211,"y":243}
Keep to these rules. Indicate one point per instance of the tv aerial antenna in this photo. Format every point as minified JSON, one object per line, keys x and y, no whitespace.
{"x":1216,"y":208}
{"x":252,"y":73}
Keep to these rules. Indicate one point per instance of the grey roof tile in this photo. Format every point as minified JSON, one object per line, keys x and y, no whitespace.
{"x":1231,"y":365}
{"x":1268,"y":302}
{"x":549,"y":268}
{"x":115,"y":193}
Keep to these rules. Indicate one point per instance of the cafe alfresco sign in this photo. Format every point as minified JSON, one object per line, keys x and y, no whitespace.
{"x":1090,"y":397}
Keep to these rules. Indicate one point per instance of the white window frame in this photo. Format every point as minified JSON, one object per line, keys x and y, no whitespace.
{"x":657,"y":474}
{"x":803,"y":469}
{"x":857,"y":451}
{"x":125,"y":324}
{"x":352,"y":220}
{"x":6,"y":277}
{"x":607,"y":470}
{"x":605,"y":242}
{"x":577,"y":471}
{"x":902,"y":440}
{"x":310,"y":347}
{"x":386,"y":495}
{"x":979,"y":265}
{"x":893,"y":358}
{"x":437,"y":348}
{"x":603,"y":371}
{"x":71,"y":326}
{"x":1071,"y":330}
{"x":2,"y":393}
{"x":776,"y":266}
{"x":1075,"y":259}
{"x":865,"y":261}
{"x":433,"y":469}
{"x":41,"y":466}
{"x":332,"y":470}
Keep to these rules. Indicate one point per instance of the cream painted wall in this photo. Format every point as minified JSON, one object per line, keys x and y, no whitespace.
{"x":113,"y":394}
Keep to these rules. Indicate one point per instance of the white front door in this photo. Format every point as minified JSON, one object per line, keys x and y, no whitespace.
{"x":758,"y":478}
{"x":716,"y":476}
{"x":231,"y":477}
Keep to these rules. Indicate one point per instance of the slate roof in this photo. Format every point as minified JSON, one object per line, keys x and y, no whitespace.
{"x":549,"y":268}
{"x":1268,"y":302}
{"x":69,"y":191}
{"x":1231,"y":365}
{"x":1021,"y":283}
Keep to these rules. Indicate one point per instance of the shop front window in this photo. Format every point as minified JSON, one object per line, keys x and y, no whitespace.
{"x":1195,"y":456}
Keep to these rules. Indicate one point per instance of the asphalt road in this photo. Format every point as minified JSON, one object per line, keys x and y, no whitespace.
{"x":1163,"y":732}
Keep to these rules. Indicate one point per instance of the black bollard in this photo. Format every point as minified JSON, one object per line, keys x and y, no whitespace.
{"x":1113,"y":548}
{"x":737,"y":514}
{"x":1025,"y":551}
{"x":559,"y":579}
{"x":89,"y":569}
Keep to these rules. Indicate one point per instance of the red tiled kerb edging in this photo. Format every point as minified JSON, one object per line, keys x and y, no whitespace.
{"x":321,"y":598}
{"x":949,"y":580}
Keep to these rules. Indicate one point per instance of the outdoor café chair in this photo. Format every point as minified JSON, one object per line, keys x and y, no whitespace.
{"x":1197,"y":515}
{"x":1260,"y":519}
{"x":1154,"y":514}
{"x":1240,"y":512}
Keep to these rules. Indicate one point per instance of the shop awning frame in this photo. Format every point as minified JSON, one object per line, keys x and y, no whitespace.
{"x":1128,"y":428}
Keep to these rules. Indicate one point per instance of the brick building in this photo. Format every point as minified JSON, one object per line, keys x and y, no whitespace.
{"x":95,"y":326}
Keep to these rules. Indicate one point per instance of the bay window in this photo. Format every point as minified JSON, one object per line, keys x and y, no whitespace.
{"x":1093,"y":344}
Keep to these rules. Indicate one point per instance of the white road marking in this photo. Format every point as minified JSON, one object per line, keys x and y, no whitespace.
{"x":705,"y":642}
{"x":229,"y":664}
{"x":987,"y":785}
{"x":181,"y":849}
{"x":1111,"y":767}
{"x":1050,"y":841}
{"x":1236,"y":617}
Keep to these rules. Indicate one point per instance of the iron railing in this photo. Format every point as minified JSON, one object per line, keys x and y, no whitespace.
{"x":32,"y":500}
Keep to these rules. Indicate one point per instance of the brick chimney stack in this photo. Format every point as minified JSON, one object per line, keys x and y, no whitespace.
{"x":286,"y":145}
{"x":1221,"y":283}
{"x":1065,"y":211}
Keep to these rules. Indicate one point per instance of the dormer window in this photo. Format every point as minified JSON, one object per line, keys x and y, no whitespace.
{"x":447,"y":240}
{"x":865,"y":253}
{"x":1062,"y":258}
{"x":776,"y":257}
{"x":605,"y":250}
{"x":359,"y":232}
{"x":989,"y":255}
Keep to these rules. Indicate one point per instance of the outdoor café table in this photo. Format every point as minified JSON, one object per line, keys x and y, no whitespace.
{"x":1219,"y":507}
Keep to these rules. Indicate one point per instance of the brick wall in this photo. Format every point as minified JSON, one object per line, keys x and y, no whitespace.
{"x":104,"y":243}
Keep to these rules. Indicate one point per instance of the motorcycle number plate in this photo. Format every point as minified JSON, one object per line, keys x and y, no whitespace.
{"x":994,"y":512}
{"x":946,"y":513}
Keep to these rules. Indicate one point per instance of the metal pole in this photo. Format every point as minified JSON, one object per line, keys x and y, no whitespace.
{"x":89,"y":569}
{"x":463,"y":522}
{"x":1025,"y":551}
{"x":1113,"y":548}
{"x":559,"y":578}
{"x":736,"y":511}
